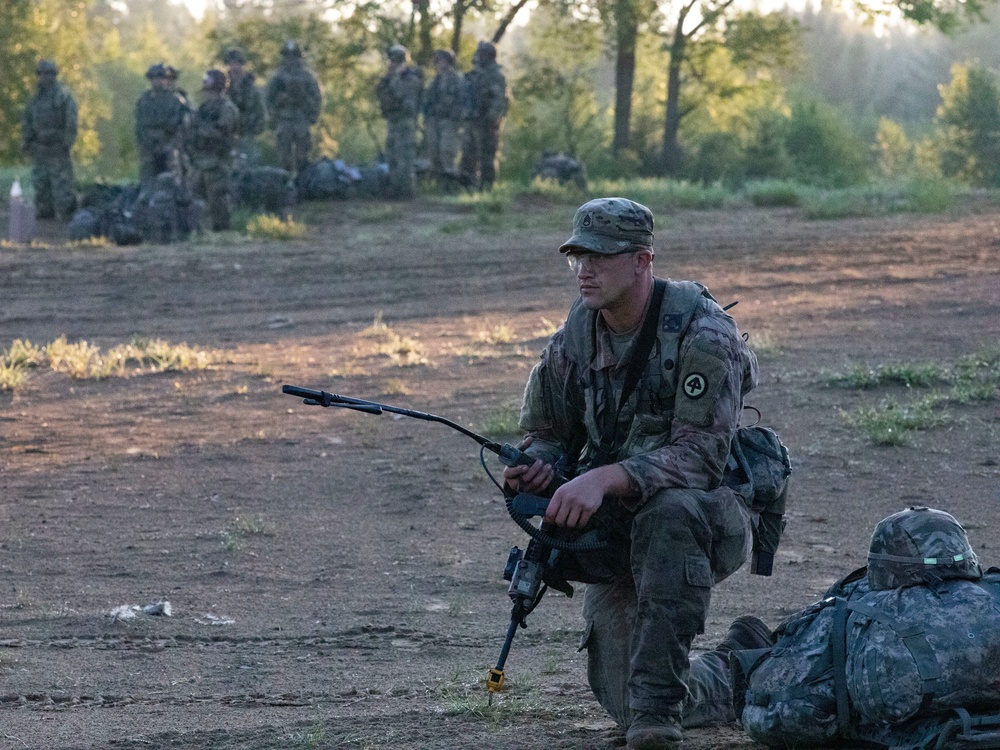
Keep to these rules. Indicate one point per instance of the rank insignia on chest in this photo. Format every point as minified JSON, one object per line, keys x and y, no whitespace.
{"x":672,"y":323}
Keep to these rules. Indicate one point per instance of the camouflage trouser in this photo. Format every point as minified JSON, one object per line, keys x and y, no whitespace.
{"x":248,"y":150}
{"x":442,"y":140}
{"x":155,"y":161}
{"x":639,"y":628}
{"x":292,"y":144}
{"x":55,"y":194}
{"x":212,"y":184}
{"x":401,"y":153}
{"x":480,"y":142}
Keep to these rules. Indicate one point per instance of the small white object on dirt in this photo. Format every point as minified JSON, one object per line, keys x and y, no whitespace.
{"x":210,"y":619}
{"x":124,"y":612}
{"x":159,"y":608}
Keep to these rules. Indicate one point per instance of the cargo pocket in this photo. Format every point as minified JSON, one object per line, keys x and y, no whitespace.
{"x":698,"y":571}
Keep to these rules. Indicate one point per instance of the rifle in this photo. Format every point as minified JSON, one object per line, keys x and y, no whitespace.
{"x":529,"y":571}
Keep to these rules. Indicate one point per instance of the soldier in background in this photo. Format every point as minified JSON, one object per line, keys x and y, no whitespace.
{"x":443,"y":118}
{"x":293,"y":102}
{"x":486,"y":104}
{"x":213,"y":139}
{"x":48,"y":130}
{"x":399,"y":92}
{"x":159,"y":128}
{"x":244,"y":93}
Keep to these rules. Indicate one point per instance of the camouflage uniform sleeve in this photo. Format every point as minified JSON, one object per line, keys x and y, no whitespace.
{"x":497,"y":97}
{"x":552,"y":409}
{"x":28,"y":127}
{"x":716,"y":369}
{"x":70,"y":124}
{"x":315,"y":100}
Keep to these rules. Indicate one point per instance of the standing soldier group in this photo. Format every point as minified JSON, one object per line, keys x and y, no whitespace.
{"x":457,"y":109}
{"x":197,"y":146}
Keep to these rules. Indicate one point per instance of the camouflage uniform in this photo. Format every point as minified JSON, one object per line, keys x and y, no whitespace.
{"x":213,"y":138}
{"x":398,"y":93}
{"x":48,"y":130}
{"x":159,"y":129}
{"x":293,"y":102}
{"x":245,"y":94}
{"x":672,"y":437}
{"x":443,"y":103}
{"x":486,"y":104}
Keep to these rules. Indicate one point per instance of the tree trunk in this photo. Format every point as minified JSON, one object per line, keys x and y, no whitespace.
{"x":457,"y":16}
{"x":507,"y":19}
{"x":671,"y":159}
{"x":626,"y":34}
{"x":426,"y":48}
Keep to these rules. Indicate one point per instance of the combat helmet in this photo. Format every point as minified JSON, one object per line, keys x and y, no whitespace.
{"x":46,"y":68}
{"x":291,"y":48}
{"x":157,"y":70}
{"x":486,"y":53}
{"x":213,"y":80}
{"x":397,"y":53}
{"x":234,"y":55}
{"x":919,"y":545}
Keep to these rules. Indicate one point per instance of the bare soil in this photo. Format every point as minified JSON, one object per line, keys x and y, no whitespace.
{"x":334,"y":577}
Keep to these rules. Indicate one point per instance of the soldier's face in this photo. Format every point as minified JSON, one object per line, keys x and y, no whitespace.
{"x":235,"y":69}
{"x":159,"y":83}
{"x":46,"y":79}
{"x":606,"y":280}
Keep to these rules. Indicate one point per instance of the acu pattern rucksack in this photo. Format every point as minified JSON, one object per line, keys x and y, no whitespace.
{"x":912,"y":668}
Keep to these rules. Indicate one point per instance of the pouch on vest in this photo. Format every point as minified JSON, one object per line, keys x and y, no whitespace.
{"x":758,"y":471}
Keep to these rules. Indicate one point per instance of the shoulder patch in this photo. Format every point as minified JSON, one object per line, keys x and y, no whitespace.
{"x":703,"y":378}
{"x":694,"y":386}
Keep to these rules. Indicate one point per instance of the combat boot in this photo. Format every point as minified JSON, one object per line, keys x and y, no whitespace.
{"x":746,"y":633}
{"x":655,"y":732}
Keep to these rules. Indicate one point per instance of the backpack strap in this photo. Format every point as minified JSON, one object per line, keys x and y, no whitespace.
{"x":838,"y":648}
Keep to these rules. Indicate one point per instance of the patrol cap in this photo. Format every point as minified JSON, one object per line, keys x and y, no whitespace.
{"x":291,"y":48}
{"x":157,"y":70}
{"x":234,"y":55}
{"x":919,"y":545}
{"x":611,"y":226}
{"x":398,"y":53}
{"x":213,"y":80}
{"x":46,"y":68}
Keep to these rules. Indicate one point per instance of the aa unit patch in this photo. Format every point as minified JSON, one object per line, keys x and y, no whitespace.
{"x":694,"y":386}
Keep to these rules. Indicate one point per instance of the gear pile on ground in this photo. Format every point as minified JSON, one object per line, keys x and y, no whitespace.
{"x":562,"y":169}
{"x":333,"y":179}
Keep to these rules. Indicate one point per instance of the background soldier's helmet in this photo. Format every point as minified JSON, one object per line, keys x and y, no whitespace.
{"x":156,"y":71}
{"x":291,"y":48}
{"x":46,"y":68}
{"x":171,"y":72}
{"x":234,"y":56}
{"x":486,"y":52}
{"x":919,"y":545}
{"x":398,"y":53}
{"x":213,"y":80}
{"x":444,"y":55}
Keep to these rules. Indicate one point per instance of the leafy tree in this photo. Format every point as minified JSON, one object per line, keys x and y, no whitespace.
{"x":822,"y":147}
{"x":893,"y":149}
{"x":969,"y":126}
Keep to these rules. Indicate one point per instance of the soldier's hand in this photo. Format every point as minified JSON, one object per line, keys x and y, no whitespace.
{"x":532,"y":479}
{"x":575,"y":502}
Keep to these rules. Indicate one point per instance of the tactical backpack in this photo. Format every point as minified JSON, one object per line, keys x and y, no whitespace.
{"x":912,"y":668}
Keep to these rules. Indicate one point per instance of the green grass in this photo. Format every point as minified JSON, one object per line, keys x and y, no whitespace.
{"x":763,"y":193}
{"x":502,"y":422}
{"x":891,"y":422}
{"x":973,"y":378}
{"x":926,"y":195}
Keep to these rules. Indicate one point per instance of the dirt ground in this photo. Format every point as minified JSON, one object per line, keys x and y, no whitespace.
{"x":334,"y":577}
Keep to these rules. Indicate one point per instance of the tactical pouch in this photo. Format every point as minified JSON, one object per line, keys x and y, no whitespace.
{"x":758,"y":471}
